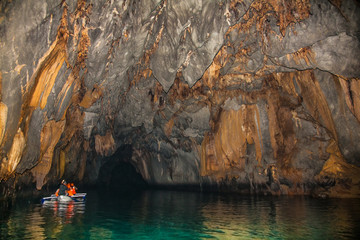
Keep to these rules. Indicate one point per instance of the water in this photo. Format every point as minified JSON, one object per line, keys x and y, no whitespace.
{"x":181,"y":215}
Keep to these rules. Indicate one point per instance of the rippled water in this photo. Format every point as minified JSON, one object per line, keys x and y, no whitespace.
{"x":181,"y":215}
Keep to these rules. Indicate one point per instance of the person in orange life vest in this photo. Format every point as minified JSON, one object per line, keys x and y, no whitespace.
{"x":72,"y":190}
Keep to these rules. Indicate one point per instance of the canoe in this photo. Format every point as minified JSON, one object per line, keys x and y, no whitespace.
{"x":79,"y":197}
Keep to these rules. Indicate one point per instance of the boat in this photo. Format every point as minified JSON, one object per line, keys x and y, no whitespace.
{"x":64,"y":198}
{"x":78,"y":197}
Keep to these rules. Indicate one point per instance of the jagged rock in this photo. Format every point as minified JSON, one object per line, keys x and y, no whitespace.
{"x":207,"y":94}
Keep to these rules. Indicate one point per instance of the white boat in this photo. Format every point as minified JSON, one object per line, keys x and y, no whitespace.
{"x":78,"y":197}
{"x":64,"y":198}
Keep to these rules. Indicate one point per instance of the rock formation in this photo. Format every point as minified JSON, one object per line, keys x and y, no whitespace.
{"x":251,"y":96}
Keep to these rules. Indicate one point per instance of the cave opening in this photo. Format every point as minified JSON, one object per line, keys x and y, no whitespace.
{"x":118,"y":173}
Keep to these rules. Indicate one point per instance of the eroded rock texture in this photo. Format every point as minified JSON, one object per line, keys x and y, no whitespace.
{"x":232,"y":95}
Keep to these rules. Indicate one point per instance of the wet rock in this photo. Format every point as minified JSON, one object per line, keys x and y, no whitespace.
{"x":213,"y":94}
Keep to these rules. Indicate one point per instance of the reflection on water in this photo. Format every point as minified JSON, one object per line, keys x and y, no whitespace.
{"x":35,"y":221}
{"x":282,"y":218}
{"x":65,"y":211}
{"x":181,"y":215}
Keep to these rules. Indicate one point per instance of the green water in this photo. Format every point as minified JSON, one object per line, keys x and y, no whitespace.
{"x":181,"y":215}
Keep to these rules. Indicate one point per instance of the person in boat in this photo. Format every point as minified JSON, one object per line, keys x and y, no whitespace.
{"x":72,"y":189}
{"x":63,"y":189}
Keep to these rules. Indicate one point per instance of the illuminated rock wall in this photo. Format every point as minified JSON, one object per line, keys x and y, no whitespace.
{"x":251,"y":96}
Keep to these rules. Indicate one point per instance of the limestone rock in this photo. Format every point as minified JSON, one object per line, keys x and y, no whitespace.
{"x":247,"y":96}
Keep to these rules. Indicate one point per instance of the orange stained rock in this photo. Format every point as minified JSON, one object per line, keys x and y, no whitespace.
{"x":282,"y":123}
{"x":86,"y":146}
{"x":65,"y":91}
{"x":347,"y":176}
{"x":49,"y":137}
{"x":74,"y":124}
{"x":105,"y":145}
{"x":286,"y":12}
{"x":290,"y":12}
{"x":180,"y":90}
{"x":46,"y":76}
{"x":43,"y":79}
{"x":3,"y":119}
{"x":286,"y":82}
{"x":0,"y":86}
{"x":149,"y":52}
{"x":209,"y":163}
{"x":142,"y":67}
{"x":49,"y":65}
{"x":315,"y":100}
{"x":282,"y":120}
{"x":81,"y":46}
{"x":168,"y":126}
{"x":304,"y":54}
{"x":62,"y":163}
{"x":141,"y":157}
{"x":211,"y":75}
{"x":351,"y":88}
{"x":143,"y":70}
{"x":157,"y":92}
{"x":91,"y":96}
{"x":312,"y":96}
{"x":225,"y":149}
{"x":355,"y":90}
{"x":10,"y":163}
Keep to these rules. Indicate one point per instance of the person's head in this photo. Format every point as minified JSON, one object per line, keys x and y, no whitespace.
{"x":72,"y":184}
{"x":63,"y":182}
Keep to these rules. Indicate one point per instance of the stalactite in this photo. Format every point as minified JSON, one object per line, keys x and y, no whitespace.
{"x":105,"y":145}
{"x":3,"y":119}
{"x":9,"y":164}
{"x":50,"y":136}
{"x":43,"y":79}
{"x":351,"y":88}
{"x":91,"y":96}
{"x":341,"y":178}
{"x":225,"y":150}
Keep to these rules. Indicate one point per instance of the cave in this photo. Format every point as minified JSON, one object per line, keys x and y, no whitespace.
{"x":191,"y":119}
{"x":252,"y":96}
{"x":118,"y":174}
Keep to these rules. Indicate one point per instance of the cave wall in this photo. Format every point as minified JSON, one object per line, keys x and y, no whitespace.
{"x":251,"y":96}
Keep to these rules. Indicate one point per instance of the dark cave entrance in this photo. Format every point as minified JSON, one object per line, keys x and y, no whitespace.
{"x":117,"y":173}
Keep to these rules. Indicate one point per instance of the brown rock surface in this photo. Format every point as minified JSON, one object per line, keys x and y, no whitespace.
{"x":250,"y":96}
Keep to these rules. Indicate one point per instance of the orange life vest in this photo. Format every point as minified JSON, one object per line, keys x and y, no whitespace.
{"x":72,"y":190}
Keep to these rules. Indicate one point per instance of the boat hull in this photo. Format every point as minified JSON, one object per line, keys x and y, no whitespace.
{"x":79,"y":197}
{"x":64,"y":198}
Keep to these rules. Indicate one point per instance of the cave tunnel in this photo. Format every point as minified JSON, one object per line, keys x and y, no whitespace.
{"x":117,"y":173}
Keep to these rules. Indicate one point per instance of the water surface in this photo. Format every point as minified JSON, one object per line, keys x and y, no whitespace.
{"x":181,"y":215}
